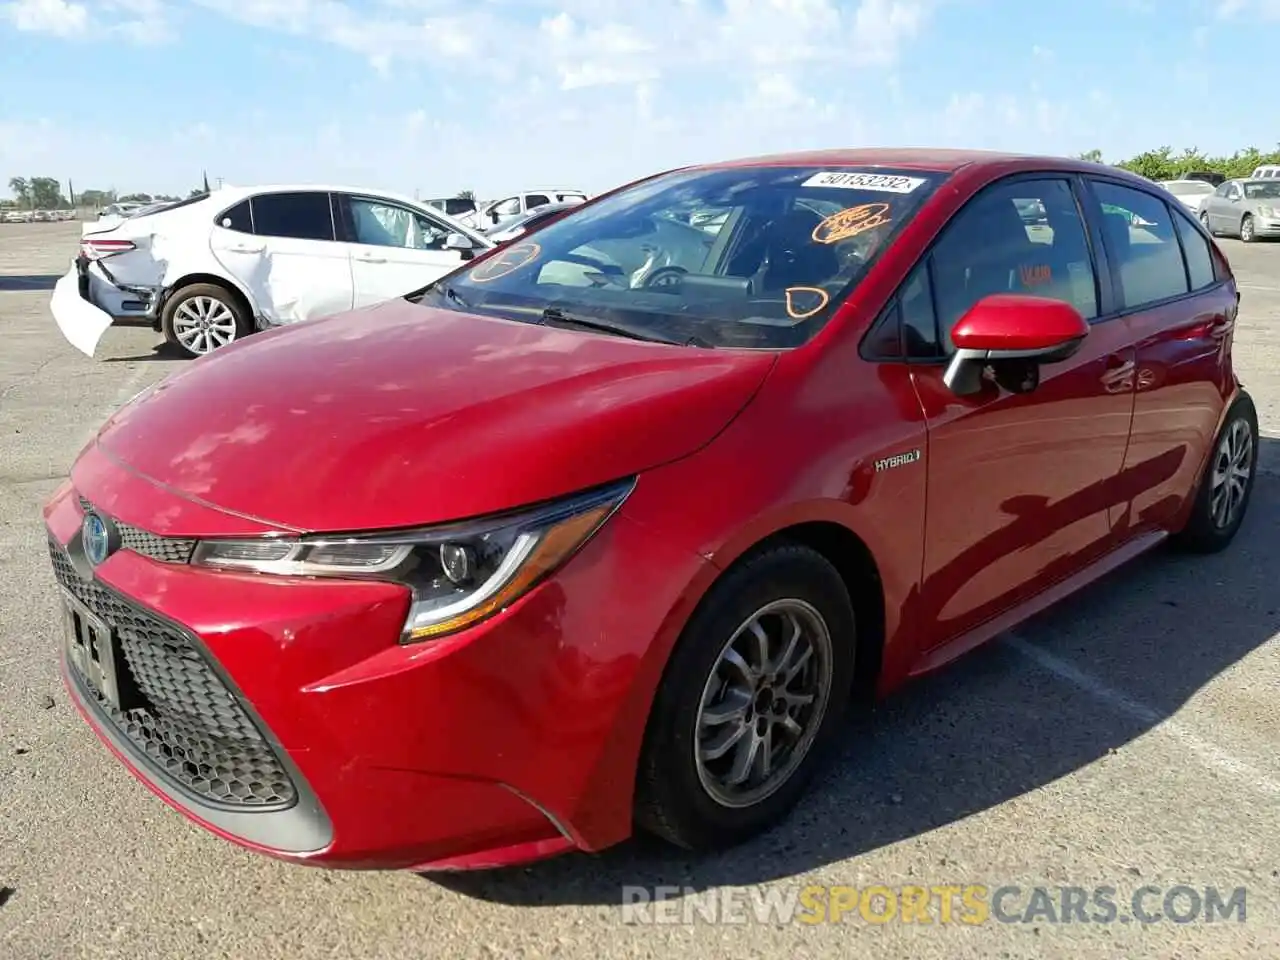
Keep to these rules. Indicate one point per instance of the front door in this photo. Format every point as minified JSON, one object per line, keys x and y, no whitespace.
{"x":1218,"y":207}
{"x":394,"y":249}
{"x":1020,"y":484}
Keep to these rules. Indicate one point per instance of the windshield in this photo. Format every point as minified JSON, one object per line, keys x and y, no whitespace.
{"x":1189,"y":188}
{"x":742,"y":257}
{"x":1259,"y":191}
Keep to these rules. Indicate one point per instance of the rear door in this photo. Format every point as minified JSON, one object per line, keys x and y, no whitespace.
{"x":282,"y":247}
{"x":393,"y":248}
{"x":1020,"y":484}
{"x":1174,"y":290}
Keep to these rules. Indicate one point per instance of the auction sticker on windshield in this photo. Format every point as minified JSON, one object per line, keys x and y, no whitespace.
{"x":848,"y":180}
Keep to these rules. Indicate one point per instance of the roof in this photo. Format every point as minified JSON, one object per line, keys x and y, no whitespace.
{"x":907,"y":158}
{"x":230,"y":194}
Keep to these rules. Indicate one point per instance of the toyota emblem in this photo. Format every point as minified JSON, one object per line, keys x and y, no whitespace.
{"x":96,"y":537}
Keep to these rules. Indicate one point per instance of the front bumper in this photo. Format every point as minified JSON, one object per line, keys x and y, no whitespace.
{"x":1268,"y":227}
{"x":512,"y":741}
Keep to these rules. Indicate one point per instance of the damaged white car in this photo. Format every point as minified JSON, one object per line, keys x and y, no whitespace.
{"x":213,"y":269}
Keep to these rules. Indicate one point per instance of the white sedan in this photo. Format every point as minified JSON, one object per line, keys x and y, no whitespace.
{"x":1190,"y":193}
{"x":213,"y":269}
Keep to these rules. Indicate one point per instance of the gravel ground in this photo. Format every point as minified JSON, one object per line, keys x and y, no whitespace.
{"x":1127,"y":739}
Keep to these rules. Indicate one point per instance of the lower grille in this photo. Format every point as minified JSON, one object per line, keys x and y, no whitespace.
{"x":190,"y":727}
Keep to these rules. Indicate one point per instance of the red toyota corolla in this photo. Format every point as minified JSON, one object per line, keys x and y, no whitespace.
{"x":608,"y":526}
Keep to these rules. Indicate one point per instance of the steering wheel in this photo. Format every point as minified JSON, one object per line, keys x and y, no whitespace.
{"x":664,"y":277}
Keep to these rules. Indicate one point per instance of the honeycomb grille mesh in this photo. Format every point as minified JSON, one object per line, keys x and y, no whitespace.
{"x":191,"y":729}
{"x":164,"y":549}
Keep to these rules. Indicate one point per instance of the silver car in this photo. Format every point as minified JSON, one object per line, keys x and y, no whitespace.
{"x":1248,"y":209}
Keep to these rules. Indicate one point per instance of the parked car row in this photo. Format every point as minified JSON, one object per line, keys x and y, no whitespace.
{"x":1248,"y":208}
{"x":36,"y":216}
{"x":494,"y":214}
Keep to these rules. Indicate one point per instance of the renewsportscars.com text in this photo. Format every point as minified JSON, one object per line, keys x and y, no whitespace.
{"x":938,"y":904}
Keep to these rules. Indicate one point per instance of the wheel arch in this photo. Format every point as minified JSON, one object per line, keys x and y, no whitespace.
{"x":243,"y":300}
{"x":853,"y":559}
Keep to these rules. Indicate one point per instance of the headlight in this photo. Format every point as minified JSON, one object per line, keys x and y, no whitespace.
{"x":1267,"y":211}
{"x":460,"y":573}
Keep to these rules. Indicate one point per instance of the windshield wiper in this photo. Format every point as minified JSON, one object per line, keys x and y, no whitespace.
{"x":443,"y":289}
{"x":556,"y":316}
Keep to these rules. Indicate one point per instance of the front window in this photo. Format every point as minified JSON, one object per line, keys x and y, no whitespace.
{"x":1261,"y":191}
{"x":378,"y":224}
{"x":735,"y":257}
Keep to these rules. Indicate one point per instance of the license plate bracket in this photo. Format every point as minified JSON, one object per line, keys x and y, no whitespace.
{"x":93,"y":652}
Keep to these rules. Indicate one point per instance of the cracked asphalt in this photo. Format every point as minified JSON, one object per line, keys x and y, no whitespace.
{"x":1128,"y":738}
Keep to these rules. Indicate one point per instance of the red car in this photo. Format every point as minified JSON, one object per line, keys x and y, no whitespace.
{"x":606,"y":527}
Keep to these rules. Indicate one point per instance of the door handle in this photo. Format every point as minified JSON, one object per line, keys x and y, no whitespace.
{"x":366,"y":258}
{"x":247,"y":248}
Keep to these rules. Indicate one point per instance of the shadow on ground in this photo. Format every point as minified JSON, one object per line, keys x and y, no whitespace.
{"x":10,"y":284}
{"x":992,"y":726}
{"x":161,"y":351}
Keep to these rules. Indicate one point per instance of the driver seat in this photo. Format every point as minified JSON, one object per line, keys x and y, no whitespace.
{"x":792,"y":257}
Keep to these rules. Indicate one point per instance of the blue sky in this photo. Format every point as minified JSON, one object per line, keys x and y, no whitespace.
{"x":435,"y":96}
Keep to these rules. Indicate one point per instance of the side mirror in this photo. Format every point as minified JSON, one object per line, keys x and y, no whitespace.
{"x":462,"y":243}
{"x":1013,"y":335}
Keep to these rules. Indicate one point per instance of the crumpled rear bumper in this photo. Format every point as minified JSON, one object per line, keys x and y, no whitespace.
{"x":88,"y":300}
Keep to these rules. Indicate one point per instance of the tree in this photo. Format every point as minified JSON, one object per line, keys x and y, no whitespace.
{"x":136,"y":198}
{"x":465,"y":195}
{"x":1090,"y":156}
{"x":21,"y":190}
{"x":46,"y":193}
{"x":1163,"y":164}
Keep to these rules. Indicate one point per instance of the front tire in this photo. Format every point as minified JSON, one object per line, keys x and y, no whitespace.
{"x":750,"y":702}
{"x":1246,"y":229}
{"x":1204,"y":222}
{"x":1227,"y":484}
{"x":202,"y":317}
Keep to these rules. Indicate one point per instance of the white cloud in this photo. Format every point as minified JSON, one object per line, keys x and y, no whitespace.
{"x":588,"y":43}
{"x":1266,"y":9}
{"x":58,"y":17}
{"x":135,"y":21}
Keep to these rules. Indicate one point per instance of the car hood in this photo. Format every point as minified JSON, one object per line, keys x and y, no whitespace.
{"x":401,"y":415}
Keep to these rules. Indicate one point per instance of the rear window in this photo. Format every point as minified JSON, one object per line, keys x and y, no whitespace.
{"x":154,"y":208}
{"x":297,"y":216}
{"x":742,"y":256}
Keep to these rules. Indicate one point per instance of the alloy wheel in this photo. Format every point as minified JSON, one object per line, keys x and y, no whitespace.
{"x":1232,"y":471}
{"x":202,"y":324}
{"x":1246,"y":229}
{"x":764,"y":702}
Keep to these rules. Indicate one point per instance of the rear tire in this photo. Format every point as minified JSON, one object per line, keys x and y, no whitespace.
{"x":1227,"y":484}
{"x":201,"y":317}
{"x":726,"y":690}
